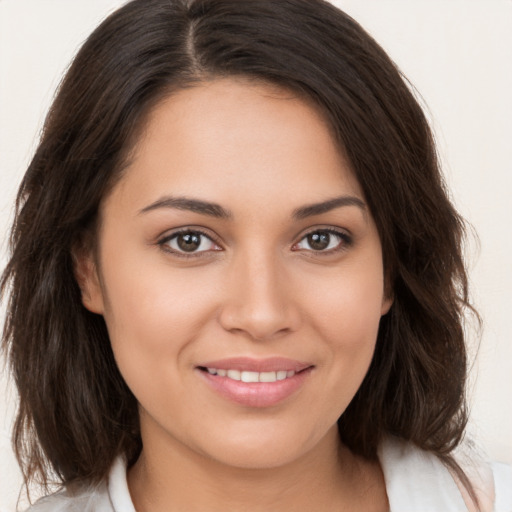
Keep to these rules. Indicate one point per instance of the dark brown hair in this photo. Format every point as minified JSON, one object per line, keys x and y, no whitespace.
{"x":76,"y":414}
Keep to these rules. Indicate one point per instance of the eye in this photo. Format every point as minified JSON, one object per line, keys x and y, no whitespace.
{"x":324,"y":240}
{"x":188,"y":242}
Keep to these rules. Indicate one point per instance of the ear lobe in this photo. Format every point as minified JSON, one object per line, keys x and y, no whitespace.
{"x":387,"y":302}
{"x":88,"y":280}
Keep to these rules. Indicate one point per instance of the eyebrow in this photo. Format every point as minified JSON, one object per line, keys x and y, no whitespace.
{"x":192,"y":205}
{"x":327,"y":206}
{"x":215,"y":210}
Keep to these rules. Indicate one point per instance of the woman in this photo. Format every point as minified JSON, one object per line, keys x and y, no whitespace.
{"x":236,"y":277}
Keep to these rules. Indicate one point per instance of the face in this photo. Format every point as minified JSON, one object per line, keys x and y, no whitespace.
{"x":240,"y":276}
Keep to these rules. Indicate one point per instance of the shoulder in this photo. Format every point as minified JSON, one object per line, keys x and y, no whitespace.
{"x":502,"y":477}
{"x":492,"y":481}
{"x":85,"y":500}
{"x":110,"y":496}
{"x":416,"y":480}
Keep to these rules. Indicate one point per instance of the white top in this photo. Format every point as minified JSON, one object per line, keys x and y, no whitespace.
{"x":416,"y":481}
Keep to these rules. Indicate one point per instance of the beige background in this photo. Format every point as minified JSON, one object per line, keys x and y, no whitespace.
{"x":458,"y":53}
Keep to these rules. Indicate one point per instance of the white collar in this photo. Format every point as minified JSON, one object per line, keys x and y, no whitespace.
{"x":416,"y":481}
{"x":118,"y":487}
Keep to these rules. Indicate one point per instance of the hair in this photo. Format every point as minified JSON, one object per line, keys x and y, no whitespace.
{"x":76,"y":414}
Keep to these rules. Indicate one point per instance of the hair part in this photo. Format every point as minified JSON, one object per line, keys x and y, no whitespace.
{"x":76,"y":413}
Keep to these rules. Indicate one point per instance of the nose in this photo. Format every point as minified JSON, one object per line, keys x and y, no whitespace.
{"x":258,"y":299}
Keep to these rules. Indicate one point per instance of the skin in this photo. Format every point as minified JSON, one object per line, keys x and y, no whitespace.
{"x":256,"y":288}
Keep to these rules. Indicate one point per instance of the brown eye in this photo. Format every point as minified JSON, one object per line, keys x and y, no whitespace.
{"x":319,"y":240}
{"x":189,"y":242}
{"x":324,"y":240}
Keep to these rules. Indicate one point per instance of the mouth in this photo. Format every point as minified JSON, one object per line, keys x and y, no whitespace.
{"x":255,"y":383}
{"x":248,"y":376}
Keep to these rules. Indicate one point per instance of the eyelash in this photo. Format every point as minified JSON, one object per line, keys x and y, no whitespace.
{"x":182,"y":254}
{"x":345,"y":242}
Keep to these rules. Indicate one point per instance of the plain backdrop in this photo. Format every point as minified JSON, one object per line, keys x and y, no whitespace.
{"x":458,"y":54}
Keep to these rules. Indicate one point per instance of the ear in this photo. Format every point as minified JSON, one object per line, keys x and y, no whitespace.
{"x":388,"y":296}
{"x":387,"y":299}
{"x":87,"y":277}
{"x":387,"y":302}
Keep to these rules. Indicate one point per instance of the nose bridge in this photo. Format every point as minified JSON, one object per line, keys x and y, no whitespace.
{"x":257,"y":300}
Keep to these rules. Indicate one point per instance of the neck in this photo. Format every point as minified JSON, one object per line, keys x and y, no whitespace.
{"x":170,"y":476}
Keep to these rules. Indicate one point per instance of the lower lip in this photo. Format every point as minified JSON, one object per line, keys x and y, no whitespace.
{"x":256,"y":394}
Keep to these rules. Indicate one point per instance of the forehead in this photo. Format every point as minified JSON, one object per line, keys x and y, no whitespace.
{"x":229,"y":137}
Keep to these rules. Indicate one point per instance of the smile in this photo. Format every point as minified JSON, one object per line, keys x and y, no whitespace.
{"x":248,"y":376}
{"x":255,"y":382}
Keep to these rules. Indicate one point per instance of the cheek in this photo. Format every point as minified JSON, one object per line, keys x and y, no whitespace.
{"x":153,"y":312}
{"x":154,"y":321}
{"x":349,"y":306}
{"x":346,"y":315}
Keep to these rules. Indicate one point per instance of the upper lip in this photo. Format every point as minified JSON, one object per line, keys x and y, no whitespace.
{"x":271,"y":364}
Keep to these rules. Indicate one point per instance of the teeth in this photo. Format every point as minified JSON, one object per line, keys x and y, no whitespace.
{"x":267,"y":377}
{"x":250,"y":377}
{"x":246,"y":376}
{"x":233,"y":374}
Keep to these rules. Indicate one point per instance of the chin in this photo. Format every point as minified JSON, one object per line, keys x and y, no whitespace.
{"x":265,"y":447}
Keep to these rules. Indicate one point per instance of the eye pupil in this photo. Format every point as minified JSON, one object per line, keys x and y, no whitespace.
{"x":189,"y":242}
{"x":319,"y":240}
